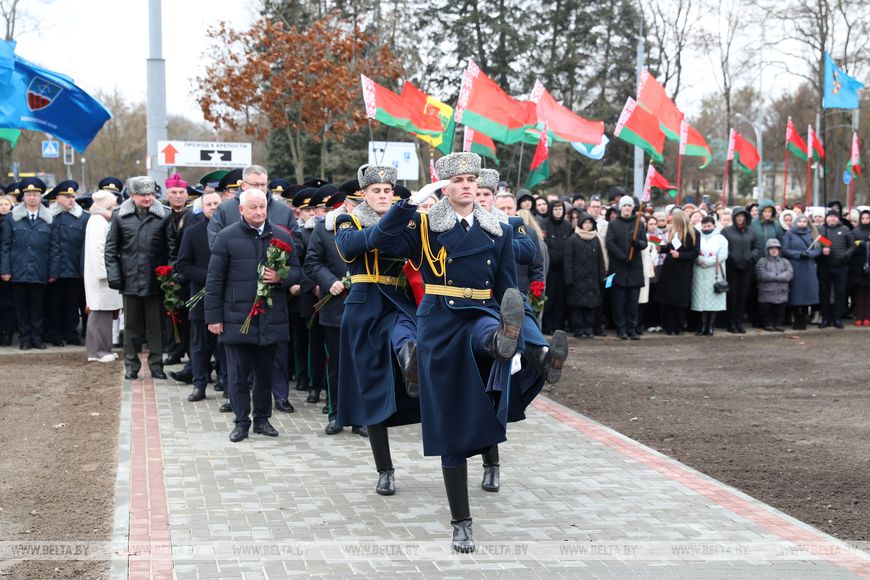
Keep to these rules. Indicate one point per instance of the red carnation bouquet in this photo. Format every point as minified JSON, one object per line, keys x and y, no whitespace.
{"x":536,"y":295}
{"x":277,"y":257}
{"x":172,"y":302}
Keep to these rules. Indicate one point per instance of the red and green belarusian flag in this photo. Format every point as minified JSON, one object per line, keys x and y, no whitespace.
{"x":639,"y":127}
{"x":563,"y":123}
{"x":794,"y":143}
{"x":479,"y":143}
{"x":855,"y":159}
{"x":434,"y":111}
{"x":814,"y":143}
{"x":742,"y":151}
{"x":540,"y":169}
{"x":387,"y":107}
{"x":652,"y":97}
{"x":486,"y":108}
{"x":657,"y":180}
{"x":693,"y":144}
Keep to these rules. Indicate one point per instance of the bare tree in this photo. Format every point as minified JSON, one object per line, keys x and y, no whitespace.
{"x":671,"y":27}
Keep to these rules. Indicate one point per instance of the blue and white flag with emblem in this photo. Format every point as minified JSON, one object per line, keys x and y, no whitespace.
{"x":42,"y":100}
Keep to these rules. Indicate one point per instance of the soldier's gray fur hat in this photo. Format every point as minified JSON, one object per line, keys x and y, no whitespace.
{"x":488,"y":179}
{"x":141,"y":185}
{"x":458,"y":164}
{"x":369,"y":174}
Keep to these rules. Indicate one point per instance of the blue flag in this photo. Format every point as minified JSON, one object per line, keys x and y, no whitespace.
{"x":42,"y":100}
{"x":608,"y":282}
{"x":841,"y":90}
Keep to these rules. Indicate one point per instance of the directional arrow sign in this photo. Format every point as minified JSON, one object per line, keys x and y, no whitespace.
{"x":169,"y":154}
{"x":203,"y":154}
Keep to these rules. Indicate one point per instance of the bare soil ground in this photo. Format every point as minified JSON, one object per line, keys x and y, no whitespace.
{"x":58,"y":435}
{"x":784,"y":418}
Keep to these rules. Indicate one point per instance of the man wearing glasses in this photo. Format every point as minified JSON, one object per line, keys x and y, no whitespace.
{"x":136,"y":245}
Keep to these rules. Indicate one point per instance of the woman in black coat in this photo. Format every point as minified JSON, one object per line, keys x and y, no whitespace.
{"x":624,"y":244}
{"x":674,"y":286}
{"x":860,"y":269}
{"x":7,"y":301}
{"x":557,"y":231}
{"x":584,"y":271}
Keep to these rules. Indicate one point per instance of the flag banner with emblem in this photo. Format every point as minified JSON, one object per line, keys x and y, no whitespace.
{"x":385,"y":106}
{"x":794,"y":143}
{"x":657,"y":180}
{"x":693,"y":144}
{"x":562,"y":123}
{"x":42,"y":100}
{"x":477,"y":142}
{"x":815,"y":144}
{"x":540,"y":169}
{"x":430,"y":107}
{"x":639,"y":127}
{"x":653,"y":98}
{"x":855,"y":158}
{"x":11,"y":135}
{"x":841,"y":90}
{"x":595,"y":152}
{"x":486,"y":108}
{"x":743,"y":152}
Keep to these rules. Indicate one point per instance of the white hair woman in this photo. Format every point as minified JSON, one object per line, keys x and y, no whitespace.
{"x":102,"y":301}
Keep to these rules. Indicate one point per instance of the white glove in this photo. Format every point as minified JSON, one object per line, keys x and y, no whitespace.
{"x":426,"y":192}
{"x":516,"y":364}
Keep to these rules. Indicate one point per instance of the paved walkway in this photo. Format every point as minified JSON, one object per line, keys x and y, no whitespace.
{"x":577,"y":500}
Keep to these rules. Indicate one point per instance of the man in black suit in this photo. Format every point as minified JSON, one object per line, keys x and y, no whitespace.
{"x":192,"y":264}
{"x":231,"y":291}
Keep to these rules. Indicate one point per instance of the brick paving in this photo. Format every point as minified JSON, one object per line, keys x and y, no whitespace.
{"x":577,"y":500}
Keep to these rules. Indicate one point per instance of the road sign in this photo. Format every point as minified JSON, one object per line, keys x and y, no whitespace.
{"x":847,"y":177}
{"x":203,"y":154}
{"x":51,"y":149}
{"x":401,"y":155}
{"x":69,"y":156}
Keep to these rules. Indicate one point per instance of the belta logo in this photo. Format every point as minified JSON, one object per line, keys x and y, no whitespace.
{"x":41,"y":93}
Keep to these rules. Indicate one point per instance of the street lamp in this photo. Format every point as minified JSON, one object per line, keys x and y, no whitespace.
{"x":758,"y":144}
{"x":82,"y":184}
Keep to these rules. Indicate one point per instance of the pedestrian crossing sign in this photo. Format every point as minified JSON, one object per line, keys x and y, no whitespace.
{"x":50,"y":149}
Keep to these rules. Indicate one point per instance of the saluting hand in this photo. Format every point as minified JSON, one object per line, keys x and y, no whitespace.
{"x":270,"y":276}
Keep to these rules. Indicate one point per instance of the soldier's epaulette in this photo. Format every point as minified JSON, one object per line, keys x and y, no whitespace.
{"x":346,"y":221}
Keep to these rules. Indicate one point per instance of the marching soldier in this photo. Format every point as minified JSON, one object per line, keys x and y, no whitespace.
{"x":468,"y":322}
{"x":66,"y":296}
{"x":378,"y":328}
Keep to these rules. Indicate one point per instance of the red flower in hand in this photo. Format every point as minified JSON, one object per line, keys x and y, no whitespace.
{"x":283,"y":246}
{"x":536,"y":288}
{"x":163,"y":270}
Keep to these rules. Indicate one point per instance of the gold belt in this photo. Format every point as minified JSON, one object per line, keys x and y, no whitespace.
{"x":455,"y":292}
{"x":372,"y":279}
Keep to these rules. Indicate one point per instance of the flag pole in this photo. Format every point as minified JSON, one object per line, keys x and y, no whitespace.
{"x":520,"y":166}
{"x":809,"y":174}
{"x":785,"y":179}
{"x":724,"y":183}
{"x":679,"y":177}
{"x":851,"y":194}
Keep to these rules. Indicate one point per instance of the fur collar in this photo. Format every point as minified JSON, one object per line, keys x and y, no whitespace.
{"x":55,"y":209}
{"x":442,"y":218}
{"x":501,"y":216}
{"x":310,"y":223}
{"x":332,"y":216}
{"x":366,"y":215}
{"x":128,"y":208}
{"x":19,"y":212}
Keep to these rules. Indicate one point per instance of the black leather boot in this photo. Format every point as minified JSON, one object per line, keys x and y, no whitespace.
{"x":711,"y":323}
{"x":491,"y":474}
{"x":380,"y":443}
{"x":456,"y":484}
{"x":549,"y":363}
{"x":503,"y":342}
{"x":408,"y":363}
{"x":703,"y":330}
{"x":198,"y":394}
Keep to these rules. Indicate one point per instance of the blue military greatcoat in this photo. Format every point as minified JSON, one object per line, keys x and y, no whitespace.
{"x":370,"y":384}
{"x":462,"y":413}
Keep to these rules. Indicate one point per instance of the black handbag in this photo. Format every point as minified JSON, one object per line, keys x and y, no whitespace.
{"x":720,"y":286}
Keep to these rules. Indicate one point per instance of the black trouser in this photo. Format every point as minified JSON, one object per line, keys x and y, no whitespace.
{"x":582,"y":320}
{"x":625,"y":308}
{"x":173,"y":348}
{"x":64,"y":298}
{"x":142,"y":321}
{"x":333,"y":337}
{"x":243,"y":362}
{"x":203,"y":344}
{"x":280,"y":381}
{"x":800,"y":317}
{"x":771,"y":314}
{"x":862,"y":303}
{"x":833,"y":278}
{"x":7,"y":308}
{"x":300,"y":349}
{"x":317,"y":357}
{"x":673,"y":318}
{"x":29,"y":309}
{"x":738,"y":291}
{"x":554,"y":308}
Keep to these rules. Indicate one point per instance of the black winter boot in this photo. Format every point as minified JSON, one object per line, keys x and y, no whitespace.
{"x":380,"y":442}
{"x":456,"y":484}
{"x":491,"y":474}
{"x":408,"y":363}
